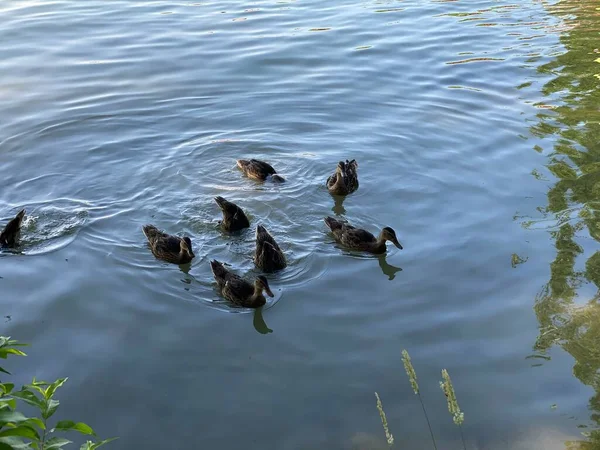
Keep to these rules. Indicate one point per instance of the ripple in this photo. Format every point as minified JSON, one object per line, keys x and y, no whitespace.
{"x":51,"y":226}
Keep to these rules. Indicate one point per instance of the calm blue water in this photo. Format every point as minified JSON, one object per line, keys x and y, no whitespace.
{"x":460,"y":114}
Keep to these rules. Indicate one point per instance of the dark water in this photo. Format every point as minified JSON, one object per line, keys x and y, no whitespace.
{"x":476,"y":125}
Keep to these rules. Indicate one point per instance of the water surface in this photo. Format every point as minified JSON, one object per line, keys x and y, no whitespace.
{"x":475,"y":125}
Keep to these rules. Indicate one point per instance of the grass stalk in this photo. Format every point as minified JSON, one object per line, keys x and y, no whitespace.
{"x":412,"y":376}
{"x":388,"y":435}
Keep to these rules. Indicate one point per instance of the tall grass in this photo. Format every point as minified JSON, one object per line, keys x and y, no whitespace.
{"x":446,"y":384}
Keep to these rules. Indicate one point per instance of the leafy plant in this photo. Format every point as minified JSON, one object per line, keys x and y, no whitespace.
{"x":18,"y":431}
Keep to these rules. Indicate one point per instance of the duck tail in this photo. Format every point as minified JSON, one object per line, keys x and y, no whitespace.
{"x":221,"y":202}
{"x":333,"y":224}
{"x":151,"y":232}
{"x":20,"y":216}
{"x":260,"y":230}
{"x":218,"y":270}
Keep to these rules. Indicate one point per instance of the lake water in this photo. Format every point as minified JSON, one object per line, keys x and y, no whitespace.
{"x":476,"y":126}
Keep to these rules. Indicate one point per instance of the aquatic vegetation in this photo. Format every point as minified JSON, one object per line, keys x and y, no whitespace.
{"x":20,"y":432}
{"x":412,"y":376}
{"x":389,"y":436}
{"x":446,"y":384}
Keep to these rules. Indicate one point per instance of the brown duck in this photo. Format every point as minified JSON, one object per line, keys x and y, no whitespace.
{"x":173,"y":249}
{"x":239,"y":291}
{"x":234,"y":218}
{"x":362,"y":240}
{"x":345,"y":179}
{"x":12,"y":231}
{"x":268,"y":256}
{"x":259,"y":170}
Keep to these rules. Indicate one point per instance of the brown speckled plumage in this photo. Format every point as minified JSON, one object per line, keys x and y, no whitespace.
{"x":268,"y":256}
{"x":173,"y":249}
{"x":259,"y":170}
{"x":239,"y":291}
{"x":359,"y":239}
{"x":234,"y":218}
{"x":12,"y":231}
{"x":345,"y":179}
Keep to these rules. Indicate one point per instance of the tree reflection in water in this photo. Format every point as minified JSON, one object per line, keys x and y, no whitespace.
{"x":573,"y":128}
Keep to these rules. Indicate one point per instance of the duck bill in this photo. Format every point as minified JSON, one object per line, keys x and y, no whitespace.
{"x":397,"y":244}
{"x":269,"y":292}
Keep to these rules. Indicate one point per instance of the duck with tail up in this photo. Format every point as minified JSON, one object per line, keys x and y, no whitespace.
{"x":12,"y":231}
{"x":268,"y":256}
{"x":259,"y":170}
{"x":345,"y":179}
{"x":173,"y":249}
{"x":239,"y":291}
{"x":234,"y":218}
{"x":359,"y":239}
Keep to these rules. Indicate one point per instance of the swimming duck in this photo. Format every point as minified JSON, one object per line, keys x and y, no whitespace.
{"x":234,"y":218}
{"x":173,"y":249}
{"x":268,"y":255}
{"x":239,"y":291}
{"x":358,"y":239}
{"x":259,"y":170}
{"x":345,"y":179}
{"x":12,"y":231}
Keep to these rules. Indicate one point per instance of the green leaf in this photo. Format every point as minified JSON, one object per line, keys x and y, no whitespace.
{"x":7,"y":387}
{"x":23,"y":431}
{"x":5,"y":371}
{"x":35,"y":422}
{"x":8,"y":403}
{"x":29,"y":398}
{"x":14,"y":351}
{"x":13,"y":442}
{"x":50,"y":409}
{"x":50,"y":390}
{"x":56,"y":442}
{"x":89,"y":445}
{"x":67,"y":425}
{"x":11,"y":417}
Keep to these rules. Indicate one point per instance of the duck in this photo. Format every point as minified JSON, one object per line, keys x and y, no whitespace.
{"x":173,"y":249}
{"x":239,"y":291}
{"x":345,"y":179}
{"x":234,"y":218}
{"x":359,"y":239}
{"x":12,"y":231}
{"x":259,"y":170}
{"x":268,"y":256}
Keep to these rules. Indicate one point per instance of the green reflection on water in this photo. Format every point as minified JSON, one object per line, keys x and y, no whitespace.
{"x":573,"y":125}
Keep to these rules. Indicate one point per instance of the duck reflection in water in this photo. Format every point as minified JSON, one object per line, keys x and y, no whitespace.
{"x":386,"y":268}
{"x":259,"y":322}
{"x":338,"y":207}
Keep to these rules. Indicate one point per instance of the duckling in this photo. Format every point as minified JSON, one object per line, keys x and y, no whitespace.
{"x":239,"y":291}
{"x":345,"y":179}
{"x":358,"y":239}
{"x":234,"y":218}
{"x":268,"y":255}
{"x":259,"y":170}
{"x":12,"y":231}
{"x":173,"y":249}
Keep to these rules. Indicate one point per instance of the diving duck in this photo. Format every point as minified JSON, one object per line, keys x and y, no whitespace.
{"x":12,"y":231}
{"x":239,"y":291}
{"x":268,"y":255}
{"x":362,"y":240}
{"x":173,"y":249}
{"x":345,"y":179}
{"x":259,"y":170}
{"x":234,"y":218}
